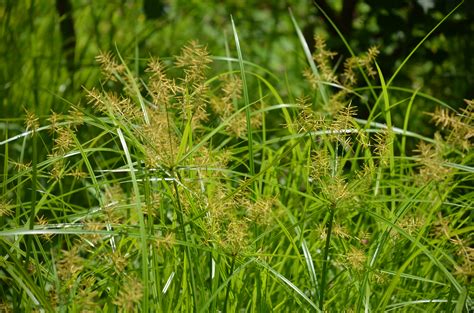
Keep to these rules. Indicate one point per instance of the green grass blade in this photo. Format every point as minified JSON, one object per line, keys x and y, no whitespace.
{"x":322,"y":88}
{"x":285,"y":281}
{"x":246,"y":100}
{"x":405,"y":123}
{"x":138,"y":207}
{"x":399,"y":68}
{"x":23,"y":278}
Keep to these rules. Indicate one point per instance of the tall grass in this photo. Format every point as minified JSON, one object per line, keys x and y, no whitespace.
{"x":186,"y":189}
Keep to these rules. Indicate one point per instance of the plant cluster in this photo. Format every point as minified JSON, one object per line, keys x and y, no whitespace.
{"x":171,"y":189}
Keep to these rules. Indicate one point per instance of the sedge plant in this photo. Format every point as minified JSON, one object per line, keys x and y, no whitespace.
{"x":184,"y":188}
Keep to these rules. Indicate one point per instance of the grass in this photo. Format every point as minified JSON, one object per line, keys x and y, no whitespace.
{"x":183,"y":188}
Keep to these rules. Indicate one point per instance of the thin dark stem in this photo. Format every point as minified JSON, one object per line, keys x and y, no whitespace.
{"x":34,"y":142}
{"x":185,"y":237}
{"x":229,"y":284}
{"x":326,"y":258}
{"x":34,"y":183}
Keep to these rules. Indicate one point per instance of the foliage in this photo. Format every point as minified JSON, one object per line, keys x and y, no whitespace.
{"x":203,"y":183}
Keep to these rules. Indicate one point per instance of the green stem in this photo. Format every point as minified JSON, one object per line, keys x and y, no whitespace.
{"x":229,"y":284}
{"x":326,"y":258}
{"x":185,"y":237}
{"x":246,"y":102}
{"x":34,"y":183}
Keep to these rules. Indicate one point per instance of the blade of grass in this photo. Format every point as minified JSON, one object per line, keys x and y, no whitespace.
{"x":5,"y":173}
{"x":210,"y":135}
{"x":285,"y":281}
{"x":388,"y":119}
{"x":399,"y":68}
{"x":405,"y":123}
{"x":141,"y":220}
{"x":322,"y":88}
{"x":23,"y":278}
{"x":34,"y":187}
{"x":246,"y":99}
{"x":188,"y":254}
{"x":204,"y":308}
{"x":411,"y":91}
{"x":382,"y":305}
{"x":135,"y":87}
{"x":363,"y":296}
{"x":399,"y":306}
{"x":307,"y":254}
{"x":324,"y":273}
{"x":461,"y":290}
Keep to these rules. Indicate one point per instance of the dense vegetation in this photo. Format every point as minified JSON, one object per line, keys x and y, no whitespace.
{"x":264,"y":176}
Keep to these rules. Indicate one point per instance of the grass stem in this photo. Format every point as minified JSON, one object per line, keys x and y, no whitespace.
{"x":326,"y":258}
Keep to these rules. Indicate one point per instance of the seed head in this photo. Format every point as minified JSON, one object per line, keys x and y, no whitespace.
{"x":431,"y":163}
{"x":6,"y":208}
{"x":130,"y":295}
{"x":54,"y":119}
{"x":70,"y":265}
{"x":161,"y":88}
{"x":356,"y":258}
{"x":31,"y":121}
{"x":109,"y":66}
{"x":194,"y":59}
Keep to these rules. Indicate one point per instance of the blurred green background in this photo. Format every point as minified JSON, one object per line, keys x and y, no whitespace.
{"x":47,"y":48}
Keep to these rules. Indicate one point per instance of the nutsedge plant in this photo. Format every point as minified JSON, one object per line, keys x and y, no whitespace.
{"x":147,"y":196}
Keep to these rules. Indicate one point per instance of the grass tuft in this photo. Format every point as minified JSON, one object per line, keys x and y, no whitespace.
{"x":185,"y":185}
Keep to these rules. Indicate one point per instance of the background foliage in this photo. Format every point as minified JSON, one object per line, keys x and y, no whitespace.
{"x":142,"y":171}
{"x":39,"y":46}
